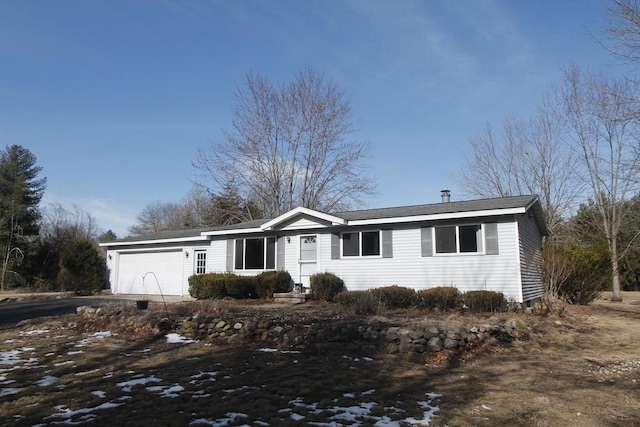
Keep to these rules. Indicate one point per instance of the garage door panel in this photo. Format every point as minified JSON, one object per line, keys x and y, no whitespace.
{"x":165,"y":266}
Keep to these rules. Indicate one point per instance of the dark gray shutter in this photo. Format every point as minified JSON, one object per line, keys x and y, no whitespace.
{"x":387,"y":244}
{"x":280,"y":253}
{"x":491,"y":238}
{"x":335,"y":246}
{"x":426,"y":237}
{"x":230,"y":255}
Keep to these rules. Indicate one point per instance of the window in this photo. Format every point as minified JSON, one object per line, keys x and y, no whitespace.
{"x":459,"y":239}
{"x":364,"y":243}
{"x":255,"y":254}
{"x":201,"y":262}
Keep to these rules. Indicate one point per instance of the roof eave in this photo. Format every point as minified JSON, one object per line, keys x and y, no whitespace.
{"x":440,"y":216}
{"x":200,"y":238}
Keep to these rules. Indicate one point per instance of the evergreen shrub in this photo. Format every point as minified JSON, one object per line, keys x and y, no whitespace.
{"x":270,"y":282}
{"x":484,"y":301}
{"x":362,"y":302}
{"x":82,"y":269}
{"x":395,"y":296}
{"x":440,"y":297}
{"x":325,"y":286}
{"x":209,"y":285}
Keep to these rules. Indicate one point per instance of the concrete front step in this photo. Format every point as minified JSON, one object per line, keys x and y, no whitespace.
{"x":291,"y":297}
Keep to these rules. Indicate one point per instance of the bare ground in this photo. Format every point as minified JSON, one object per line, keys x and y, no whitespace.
{"x":581,"y":369}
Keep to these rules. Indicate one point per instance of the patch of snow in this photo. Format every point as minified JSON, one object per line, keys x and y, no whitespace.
{"x":14,"y":357}
{"x":72,"y":353}
{"x":46,"y":381}
{"x":68,"y":362}
{"x":178,"y":339}
{"x":99,"y":394}
{"x":128,"y":385}
{"x":34,"y":332}
{"x":67,"y":414}
{"x":172,"y":392}
{"x":200,"y":394}
{"x":9,"y":391}
{"x":231,"y":417}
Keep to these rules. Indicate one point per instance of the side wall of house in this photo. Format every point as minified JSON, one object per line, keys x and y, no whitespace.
{"x":530,"y":245}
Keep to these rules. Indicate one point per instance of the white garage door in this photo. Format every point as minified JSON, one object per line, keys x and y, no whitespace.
{"x":166,"y":266}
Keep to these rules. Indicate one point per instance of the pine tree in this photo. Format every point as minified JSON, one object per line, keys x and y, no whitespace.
{"x":20,"y":193}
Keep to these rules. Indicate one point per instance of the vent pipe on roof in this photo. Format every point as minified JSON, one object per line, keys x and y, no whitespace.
{"x":446,"y":196}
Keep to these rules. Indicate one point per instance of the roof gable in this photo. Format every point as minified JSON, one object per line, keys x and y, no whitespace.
{"x":312,"y":219}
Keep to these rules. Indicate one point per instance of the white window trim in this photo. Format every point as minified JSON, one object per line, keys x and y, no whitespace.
{"x":457,"y":252}
{"x":197,"y":252}
{"x":305,"y":261}
{"x":244,"y":253}
{"x":343,"y":256}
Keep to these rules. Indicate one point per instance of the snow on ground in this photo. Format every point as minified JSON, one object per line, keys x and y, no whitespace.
{"x":351,"y":408}
{"x":178,"y":339}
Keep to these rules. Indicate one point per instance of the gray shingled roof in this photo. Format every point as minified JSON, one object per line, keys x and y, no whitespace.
{"x":367,"y":214}
{"x":439,"y":208}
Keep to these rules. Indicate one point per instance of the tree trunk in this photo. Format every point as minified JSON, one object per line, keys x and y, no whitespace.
{"x":615,"y":277}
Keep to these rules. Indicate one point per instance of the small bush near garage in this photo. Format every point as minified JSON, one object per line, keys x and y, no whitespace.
{"x":270,"y":282}
{"x":396,"y":296}
{"x":484,"y":301}
{"x":362,"y":302}
{"x":82,"y":269}
{"x":209,"y":286}
{"x":325,"y":286}
{"x":440,"y":297}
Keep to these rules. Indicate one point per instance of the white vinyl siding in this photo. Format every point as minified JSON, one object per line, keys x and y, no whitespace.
{"x":409,"y":268}
{"x":530,"y":258}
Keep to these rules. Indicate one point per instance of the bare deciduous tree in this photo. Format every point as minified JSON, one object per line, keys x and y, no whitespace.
{"x":623,"y":30}
{"x":61,"y":226}
{"x":289,"y":147}
{"x":601,"y":127}
{"x":526,"y":157}
{"x":156,"y":217}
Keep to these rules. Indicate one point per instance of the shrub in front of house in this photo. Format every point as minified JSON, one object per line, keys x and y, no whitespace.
{"x":440,"y":297}
{"x":395,"y":296}
{"x":484,"y":301}
{"x":241,"y":287}
{"x":325,"y":286}
{"x":270,"y":282}
{"x":209,"y":286}
{"x":362,"y":302}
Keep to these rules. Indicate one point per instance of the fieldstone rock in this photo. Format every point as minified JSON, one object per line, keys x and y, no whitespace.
{"x":405,"y":347}
{"x":450,"y":343}
{"x":415,"y":334}
{"x":431,"y":332}
{"x":434,"y":344}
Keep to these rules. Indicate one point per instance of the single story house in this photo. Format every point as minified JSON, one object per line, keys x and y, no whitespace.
{"x":488,"y":244}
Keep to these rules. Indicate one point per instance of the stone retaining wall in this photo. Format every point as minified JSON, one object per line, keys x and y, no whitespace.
{"x":356,"y":334}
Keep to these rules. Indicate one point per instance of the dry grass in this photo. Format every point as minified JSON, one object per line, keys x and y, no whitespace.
{"x":582,"y":370}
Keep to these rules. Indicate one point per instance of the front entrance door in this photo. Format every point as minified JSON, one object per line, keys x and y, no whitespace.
{"x":308,"y":258}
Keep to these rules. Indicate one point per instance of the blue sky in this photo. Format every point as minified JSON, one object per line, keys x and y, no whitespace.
{"x":115,"y":97}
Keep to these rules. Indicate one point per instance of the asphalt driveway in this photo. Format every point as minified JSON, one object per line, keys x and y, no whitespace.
{"x":13,"y":310}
